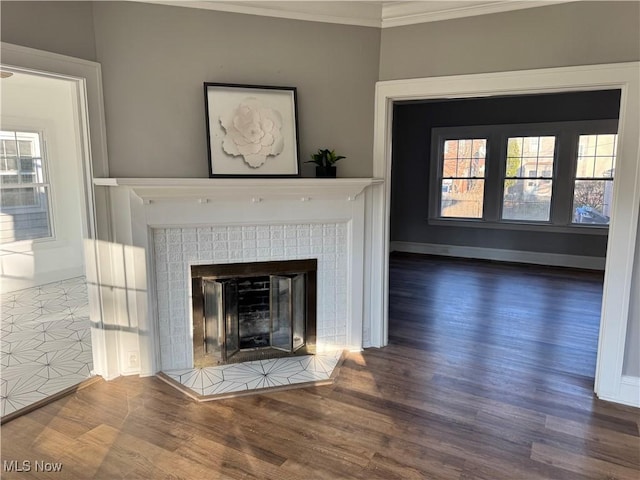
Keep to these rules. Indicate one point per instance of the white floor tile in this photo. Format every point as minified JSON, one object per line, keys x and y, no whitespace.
{"x":46,"y":342}
{"x":242,"y":377}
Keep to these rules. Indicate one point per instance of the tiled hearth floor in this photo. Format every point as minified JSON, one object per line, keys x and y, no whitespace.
{"x":211,"y":383}
{"x":45,"y":342}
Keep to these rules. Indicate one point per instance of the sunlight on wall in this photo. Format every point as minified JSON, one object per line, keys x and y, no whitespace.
{"x":117,"y":286}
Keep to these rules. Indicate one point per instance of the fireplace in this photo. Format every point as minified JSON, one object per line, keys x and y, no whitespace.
{"x":142,"y":275}
{"x":252,"y":311}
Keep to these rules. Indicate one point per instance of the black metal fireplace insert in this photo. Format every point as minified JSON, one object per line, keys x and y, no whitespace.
{"x":252,"y":311}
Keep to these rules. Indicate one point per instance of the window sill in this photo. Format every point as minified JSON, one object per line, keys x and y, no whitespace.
{"x":523,"y":226}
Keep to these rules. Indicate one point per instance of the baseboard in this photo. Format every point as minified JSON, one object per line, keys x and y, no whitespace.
{"x":9,"y":284}
{"x":498,"y":254}
{"x":630,"y":391}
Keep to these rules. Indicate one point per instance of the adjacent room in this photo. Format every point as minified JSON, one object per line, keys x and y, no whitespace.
{"x":320,"y":239}
{"x":521,"y":179}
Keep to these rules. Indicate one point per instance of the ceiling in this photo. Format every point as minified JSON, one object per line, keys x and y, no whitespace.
{"x":365,"y":13}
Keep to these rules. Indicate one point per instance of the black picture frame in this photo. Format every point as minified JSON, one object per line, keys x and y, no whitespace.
{"x":252,"y":130}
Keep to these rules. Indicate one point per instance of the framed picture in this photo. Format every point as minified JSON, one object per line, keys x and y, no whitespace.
{"x":252,"y":130}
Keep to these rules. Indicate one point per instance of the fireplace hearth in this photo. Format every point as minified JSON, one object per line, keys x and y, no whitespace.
{"x":253,"y":311}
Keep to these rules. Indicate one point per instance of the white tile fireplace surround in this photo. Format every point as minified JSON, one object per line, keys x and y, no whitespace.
{"x":176,"y":249}
{"x":161,"y":227}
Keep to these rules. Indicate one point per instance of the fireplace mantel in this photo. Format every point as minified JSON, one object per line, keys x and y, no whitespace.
{"x":252,"y":190}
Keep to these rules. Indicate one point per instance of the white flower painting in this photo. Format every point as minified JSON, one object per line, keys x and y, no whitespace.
{"x":253,"y":132}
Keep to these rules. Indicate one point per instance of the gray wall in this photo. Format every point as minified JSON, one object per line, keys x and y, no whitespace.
{"x":156,"y":58}
{"x":60,"y":27}
{"x":578,"y":33}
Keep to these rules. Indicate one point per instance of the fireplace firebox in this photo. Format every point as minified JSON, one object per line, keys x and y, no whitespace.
{"x":253,"y":311}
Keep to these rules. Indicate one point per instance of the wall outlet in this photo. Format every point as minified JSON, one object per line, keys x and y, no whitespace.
{"x":133,"y":359}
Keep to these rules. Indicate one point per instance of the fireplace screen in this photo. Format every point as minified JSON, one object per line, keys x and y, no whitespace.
{"x":252,"y":311}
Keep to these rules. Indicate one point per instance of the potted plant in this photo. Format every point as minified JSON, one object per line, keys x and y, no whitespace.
{"x":325,"y":161}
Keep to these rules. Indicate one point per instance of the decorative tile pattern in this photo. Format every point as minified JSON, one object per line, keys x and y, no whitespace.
{"x":176,"y":249}
{"x":45,"y":342}
{"x":247,"y":376}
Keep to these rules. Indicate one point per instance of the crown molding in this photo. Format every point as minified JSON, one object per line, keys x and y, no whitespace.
{"x":396,"y":14}
{"x":363,"y":13}
{"x":360,"y":13}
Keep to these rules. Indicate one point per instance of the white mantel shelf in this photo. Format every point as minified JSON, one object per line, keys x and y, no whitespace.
{"x":253,"y":189}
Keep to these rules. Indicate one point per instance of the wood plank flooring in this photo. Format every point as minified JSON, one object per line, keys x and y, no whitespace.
{"x":488,"y":375}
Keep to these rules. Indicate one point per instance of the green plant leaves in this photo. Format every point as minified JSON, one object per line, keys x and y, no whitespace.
{"x":325,"y":157}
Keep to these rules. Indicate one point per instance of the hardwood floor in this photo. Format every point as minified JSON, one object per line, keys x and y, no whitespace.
{"x":488,"y":375}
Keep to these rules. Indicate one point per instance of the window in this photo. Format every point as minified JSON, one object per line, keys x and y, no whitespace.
{"x":593,"y":187}
{"x":528,"y":178}
{"x":24,"y":191}
{"x":525,"y":176}
{"x":462,"y":179}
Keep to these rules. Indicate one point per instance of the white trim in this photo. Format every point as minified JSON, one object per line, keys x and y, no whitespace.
{"x":364,"y":14}
{"x":626,"y":201}
{"x":498,"y":254}
{"x":51,"y":277}
{"x":629,"y":393}
{"x":396,"y":14}
{"x":89,"y":74}
{"x":252,"y":183}
{"x":251,"y":190}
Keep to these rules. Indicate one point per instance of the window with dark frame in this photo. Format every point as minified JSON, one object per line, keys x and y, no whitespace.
{"x":528,"y":179}
{"x":462,"y":178}
{"x":552,"y":175}
{"x":593,"y":185}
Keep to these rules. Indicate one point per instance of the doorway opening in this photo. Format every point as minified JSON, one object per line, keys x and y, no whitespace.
{"x":45,"y":219}
{"x":621,"y":248}
{"x":504,"y":171}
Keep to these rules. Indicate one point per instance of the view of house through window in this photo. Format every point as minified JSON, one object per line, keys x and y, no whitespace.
{"x":24,"y":189}
{"x":555,"y":174}
{"x":462,"y":181}
{"x":593,"y":190}
{"x":528,"y":178}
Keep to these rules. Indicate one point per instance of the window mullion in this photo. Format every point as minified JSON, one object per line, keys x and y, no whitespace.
{"x":562,"y":198}
{"x":435,"y":174}
{"x":496,"y":152}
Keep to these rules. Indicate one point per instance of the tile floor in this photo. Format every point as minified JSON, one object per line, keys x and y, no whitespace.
{"x":45,"y":342}
{"x":243,"y":377}
{"x":46,"y":347}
